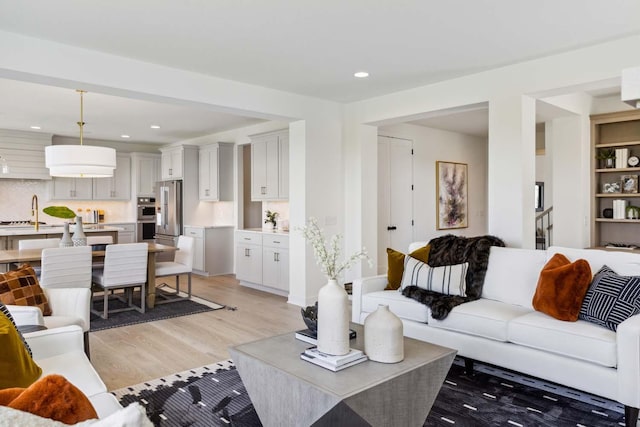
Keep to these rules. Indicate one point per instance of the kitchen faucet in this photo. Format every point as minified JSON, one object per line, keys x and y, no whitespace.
{"x":34,"y":202}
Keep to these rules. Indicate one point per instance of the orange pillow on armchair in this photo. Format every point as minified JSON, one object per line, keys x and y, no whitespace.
{"x":562,"y":286}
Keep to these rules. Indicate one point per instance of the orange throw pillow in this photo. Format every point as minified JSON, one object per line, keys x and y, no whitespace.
{"x":395,"y":265}
{"x":561,"y":288}
{"x":51,"y":397}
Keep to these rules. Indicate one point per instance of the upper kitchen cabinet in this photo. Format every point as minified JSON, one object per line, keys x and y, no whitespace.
{"x":24,"y":152}
{"x":117,"y":187}
{"x":270,"y":166}
{"x":72,"y":188}
{"x":215,"y":173}
{"x":145,"y":173}
{"x":174,"y":161}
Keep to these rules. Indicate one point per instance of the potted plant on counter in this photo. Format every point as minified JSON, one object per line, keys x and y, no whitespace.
{"x":62,"y":212}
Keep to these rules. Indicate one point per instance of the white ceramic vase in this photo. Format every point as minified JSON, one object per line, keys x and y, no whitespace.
{"x":383,"y":336}
{"x":79,"y":238}
{"x":66,"y":241}
{"x":333,"y":319}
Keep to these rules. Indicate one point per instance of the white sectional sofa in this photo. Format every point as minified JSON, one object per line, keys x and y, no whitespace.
{"x":503,"y":329}
{"x":61,"y":351}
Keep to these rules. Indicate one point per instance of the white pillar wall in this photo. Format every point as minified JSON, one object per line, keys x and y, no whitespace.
{"x":511,"y":170}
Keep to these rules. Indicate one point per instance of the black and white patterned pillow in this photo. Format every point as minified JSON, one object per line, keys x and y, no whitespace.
{"x":446,"y":279}
{"x":611,"y":299}
{"x":4,"y":310}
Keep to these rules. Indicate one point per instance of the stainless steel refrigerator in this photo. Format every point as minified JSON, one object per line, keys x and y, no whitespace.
{"x":169,"y":212}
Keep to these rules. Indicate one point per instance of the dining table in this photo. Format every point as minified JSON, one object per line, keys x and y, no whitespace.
{"x":16,"y":256}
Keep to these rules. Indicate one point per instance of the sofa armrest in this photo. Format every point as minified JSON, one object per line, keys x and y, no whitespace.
{"x":74,"y":302}
{"x":55,"y":341}
{"x":363,"y":286}
{"x":628,"y":347}
{"x":26,"y":315}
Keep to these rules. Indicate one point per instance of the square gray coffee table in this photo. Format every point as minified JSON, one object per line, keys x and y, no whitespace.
{"x":288,"y":391}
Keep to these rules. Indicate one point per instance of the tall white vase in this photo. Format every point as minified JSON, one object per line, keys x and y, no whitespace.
{"x":333,"y":319}
{"x":66,"y":241}
{"x":79,"y":238}
{"x":383,"y":336}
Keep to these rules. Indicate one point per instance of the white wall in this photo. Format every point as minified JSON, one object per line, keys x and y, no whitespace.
{"x":431,"y":145}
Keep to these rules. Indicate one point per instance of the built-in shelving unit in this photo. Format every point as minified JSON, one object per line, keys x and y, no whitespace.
{"x":613,"y":131}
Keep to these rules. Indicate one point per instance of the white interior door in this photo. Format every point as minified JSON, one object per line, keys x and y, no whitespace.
{"x":395,"y":196}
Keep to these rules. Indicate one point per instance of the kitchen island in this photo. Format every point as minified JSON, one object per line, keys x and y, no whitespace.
{"x":9,"y":236}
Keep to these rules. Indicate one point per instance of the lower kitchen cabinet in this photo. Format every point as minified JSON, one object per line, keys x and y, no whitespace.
{"x":213,"y":249}
{"x":127,"y":234}
{"x":262,"y":260}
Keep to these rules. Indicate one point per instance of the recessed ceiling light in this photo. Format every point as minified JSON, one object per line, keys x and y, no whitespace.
{"x":34,"y":127}
{"x":154,"y":127}
{"x":361,"y":74}
{"x":125,"y":136}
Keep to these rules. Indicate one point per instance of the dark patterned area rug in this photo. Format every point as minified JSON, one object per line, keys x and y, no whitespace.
{"x":214,"y":396}
{"x":183,"y":307}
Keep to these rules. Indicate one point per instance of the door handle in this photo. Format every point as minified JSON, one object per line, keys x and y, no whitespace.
{"x":392,"y":227}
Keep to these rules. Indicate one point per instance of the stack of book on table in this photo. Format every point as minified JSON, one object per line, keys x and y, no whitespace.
{"x":307,"y":335}
{"x":333,"y":363}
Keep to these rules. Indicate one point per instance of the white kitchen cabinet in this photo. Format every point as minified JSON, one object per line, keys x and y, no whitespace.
{"x":171,"y":161}
{"x":117,"y":187}
{"x":215,"y":172}
{"x":270,"y":166}
{"x":145,"y":173}
{"x":127,"y":234}
{"x":275,"y":261}
{"x":249,"y":256}
{"x":71,"y":188}
{"x":213,"y":249}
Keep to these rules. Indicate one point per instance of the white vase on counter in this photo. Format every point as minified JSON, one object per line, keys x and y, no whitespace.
{"x":383,"y":336}
{"x":79,"y":238}
{"x":65,"y":241}
{"x":333,"y":319}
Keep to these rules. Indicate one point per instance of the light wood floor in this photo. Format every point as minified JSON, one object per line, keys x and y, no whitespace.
{"x":133,"y":354}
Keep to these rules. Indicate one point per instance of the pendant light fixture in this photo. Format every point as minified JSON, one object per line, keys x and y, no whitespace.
{"x":80,"y":161}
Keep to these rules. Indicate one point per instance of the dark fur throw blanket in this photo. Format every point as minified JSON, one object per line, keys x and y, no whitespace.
{"x":449,"y":250}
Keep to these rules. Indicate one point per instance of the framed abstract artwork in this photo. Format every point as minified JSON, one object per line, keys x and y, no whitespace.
{"x":452,"y":210}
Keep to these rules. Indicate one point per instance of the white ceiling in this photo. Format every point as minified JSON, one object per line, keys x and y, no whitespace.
{"x":310,"y":48}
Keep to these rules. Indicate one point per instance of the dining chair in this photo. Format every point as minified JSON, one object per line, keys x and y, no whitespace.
{"x":38,"y":244}
{"x":181,"y":264}
{"x":125,"y":267}
{"x":66,"y":281}
{"x":99,"y":243}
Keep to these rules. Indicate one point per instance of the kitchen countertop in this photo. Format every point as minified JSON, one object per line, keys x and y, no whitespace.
{"x":265,"y":231}
{"x":209,"y":226}
{"x":53,"y":229}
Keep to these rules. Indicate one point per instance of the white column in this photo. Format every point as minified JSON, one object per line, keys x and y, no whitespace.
{"x":511,"y":170}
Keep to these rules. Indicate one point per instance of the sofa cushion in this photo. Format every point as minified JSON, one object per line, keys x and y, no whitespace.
{"x":623,"y":263}
{"x":401,"y":306}
{"x":512,"y":275}
{"x":484,"y":318}
{"x":579,"y":340}
{"x":561,"y":287}
{"x":17,"y":368}
{"x":446,"y":279}
{"x":396,"y":261}
{"x":611,"y":299}
{"x":54,"y":397}
{"x":21,"y":287}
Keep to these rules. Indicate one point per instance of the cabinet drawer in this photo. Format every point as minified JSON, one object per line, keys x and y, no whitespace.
{"x":126,"y":227}
{"x":198,"y":233}
{"x":277,"y":240}
{"x":248,"y":237}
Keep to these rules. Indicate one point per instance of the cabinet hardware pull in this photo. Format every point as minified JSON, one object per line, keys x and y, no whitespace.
{"x":275,"y":241}
{"x":392,"y":227}
{"x":247,"y":238}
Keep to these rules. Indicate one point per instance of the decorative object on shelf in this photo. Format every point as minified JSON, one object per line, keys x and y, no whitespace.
{"x":333,"y":302}
{"x":633,"y":161}
{"x":271,"y":218}
{"x":607,"y":213}
{"x":620,"y":208}
{"x":80,"y":161}
{"x":383,"y":336}
{"x":611,"y":187}
{"x":64,"y":213}
{"x":608,"y":157}
{"x":79,"y":238}
{"x":310,"y":317}
{"x":629,"y":183}
{"x":451,"y":190}
{"x":633,"y":212}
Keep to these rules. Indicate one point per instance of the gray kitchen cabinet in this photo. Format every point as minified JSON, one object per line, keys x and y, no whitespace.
{"x":213,"y":249}
{"x":249,"y":257}
{"x":71,"y":188}
{"x":145,"y":173}
{"x":275,"y":261}
{"x":270,"y":166}
{"x":215,"y":172}
{"x":117,"y":187}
